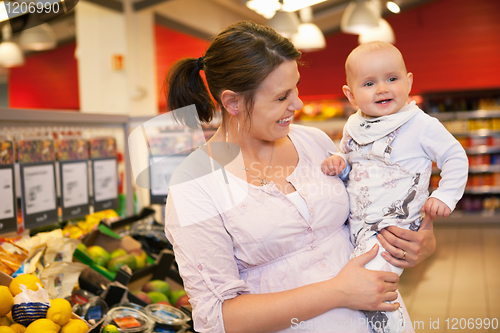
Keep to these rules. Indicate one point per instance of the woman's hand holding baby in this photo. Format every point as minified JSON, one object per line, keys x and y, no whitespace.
{"x":413,"y":246}
{"x":363,"y":289}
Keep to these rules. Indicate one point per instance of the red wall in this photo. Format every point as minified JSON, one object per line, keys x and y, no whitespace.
{"x":449,"y":45}
{"x":48,"y":80}
{"x":170,"y":47}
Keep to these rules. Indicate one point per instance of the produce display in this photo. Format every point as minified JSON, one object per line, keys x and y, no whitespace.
{"x":26,"y":307}
{"x":64,"y":306}
{"x":159,"y":292}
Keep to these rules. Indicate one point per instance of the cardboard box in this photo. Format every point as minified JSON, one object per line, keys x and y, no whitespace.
{"x":5,"y":281}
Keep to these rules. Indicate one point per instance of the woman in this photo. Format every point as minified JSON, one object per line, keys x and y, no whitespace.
{"x":258,"y":230}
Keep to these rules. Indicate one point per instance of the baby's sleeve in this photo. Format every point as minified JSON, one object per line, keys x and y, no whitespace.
{"x":450,"y":158}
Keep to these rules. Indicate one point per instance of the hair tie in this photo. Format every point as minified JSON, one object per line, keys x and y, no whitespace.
{"x":200,"y":63}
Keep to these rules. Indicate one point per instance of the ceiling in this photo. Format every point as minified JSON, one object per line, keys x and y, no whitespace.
{"x":204,"y":18}
{"x":209,"y":16}
{"x":326,"y":15}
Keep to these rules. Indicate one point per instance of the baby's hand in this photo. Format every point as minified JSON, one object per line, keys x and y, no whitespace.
{"x":436,"y":208}
{"x":333,"y":165}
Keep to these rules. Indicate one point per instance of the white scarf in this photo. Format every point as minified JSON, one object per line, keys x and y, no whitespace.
{"x":365,"y":131}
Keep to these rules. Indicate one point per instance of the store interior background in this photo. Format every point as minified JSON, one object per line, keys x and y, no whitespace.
{"x":451,"y":46}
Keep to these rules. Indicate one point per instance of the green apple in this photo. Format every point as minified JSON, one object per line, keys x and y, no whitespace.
{"x":100,"y":261}
{"x":117,"y":253}
{"x":175,"y":295}
{"x":96,"y":251}
{"x":83,"y":248}
{"x":157,"y":296}
{"x":115,"y":264}
{"x":141,"y":257}
{"x":157,"y":285}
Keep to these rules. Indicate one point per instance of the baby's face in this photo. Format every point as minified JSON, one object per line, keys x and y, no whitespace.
{"x":379,"y":82}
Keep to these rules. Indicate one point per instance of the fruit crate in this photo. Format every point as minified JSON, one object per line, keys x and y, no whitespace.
{"x":106,"y":238}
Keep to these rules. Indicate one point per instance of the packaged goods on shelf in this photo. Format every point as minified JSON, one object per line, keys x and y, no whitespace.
{"x":321,"y":110}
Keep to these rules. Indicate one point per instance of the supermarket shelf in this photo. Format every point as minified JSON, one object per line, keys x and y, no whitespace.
{"x":29,"y":117}
{"x":325,"y":125}
{"x":23,"y":117}
{"x":483,"y":168}
{"x":478,"y":114}
{"x":461,"y":217}
{"x":482,"y":150}
{"x":483,"y":190}
{"x":479,"y":133}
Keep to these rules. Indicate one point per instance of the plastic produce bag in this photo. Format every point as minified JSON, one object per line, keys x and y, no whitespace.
{"x":61,"y":278}
{"x":30,"y":305}
{"x":60,"y":249}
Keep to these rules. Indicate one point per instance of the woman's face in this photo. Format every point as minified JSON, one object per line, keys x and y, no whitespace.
{"x":276,"y":100}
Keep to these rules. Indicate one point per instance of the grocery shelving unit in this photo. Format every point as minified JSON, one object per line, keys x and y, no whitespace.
{"x":13,"y":119}
{"x":459,"y":123}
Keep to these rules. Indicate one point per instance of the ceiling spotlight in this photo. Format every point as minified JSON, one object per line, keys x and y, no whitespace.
{"x":393,"y":7}
{"x":265,"y":8}
{"x":294,"y":5}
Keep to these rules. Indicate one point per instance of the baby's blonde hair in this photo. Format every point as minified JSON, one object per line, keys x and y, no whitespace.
{"x":367,"y":48}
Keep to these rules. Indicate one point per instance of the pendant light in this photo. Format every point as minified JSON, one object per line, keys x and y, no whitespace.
{"x":359,"y":16}
{"x":310,"y":37}
{"x":39,"y":38}
{"x":383,"y":33}
{"x":285,"y":23}
{"x":11,"y":54}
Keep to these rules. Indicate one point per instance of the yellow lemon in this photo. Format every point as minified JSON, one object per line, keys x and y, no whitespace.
{"x":6,"y":321}
{"x":43,"y":325}
{"x":74,"y":326}
{"x":6,"y":329}
{"x":18,"y":328}
{"x":59,"y":311}
{"x":6,"y":300}
{"x":29,"y":280}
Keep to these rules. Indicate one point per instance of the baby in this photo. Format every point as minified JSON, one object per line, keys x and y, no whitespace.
{"x":389,"y":146}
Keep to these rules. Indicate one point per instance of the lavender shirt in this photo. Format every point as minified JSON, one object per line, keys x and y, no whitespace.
{"x":232,"y":238}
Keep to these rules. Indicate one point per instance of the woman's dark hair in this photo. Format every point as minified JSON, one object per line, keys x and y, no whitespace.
{"x":238,"y":59}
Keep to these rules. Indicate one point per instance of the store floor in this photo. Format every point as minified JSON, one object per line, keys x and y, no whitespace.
{"x":458,"y":287}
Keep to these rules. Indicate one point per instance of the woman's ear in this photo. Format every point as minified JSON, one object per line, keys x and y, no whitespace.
{"x":230,"y":102}
{"x":350,"y":96}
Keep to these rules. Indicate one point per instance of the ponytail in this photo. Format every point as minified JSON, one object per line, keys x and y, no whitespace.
{"x":184,"y":86}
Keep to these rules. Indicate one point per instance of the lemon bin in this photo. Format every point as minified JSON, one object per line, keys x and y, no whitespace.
{"x":17,"y":316}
